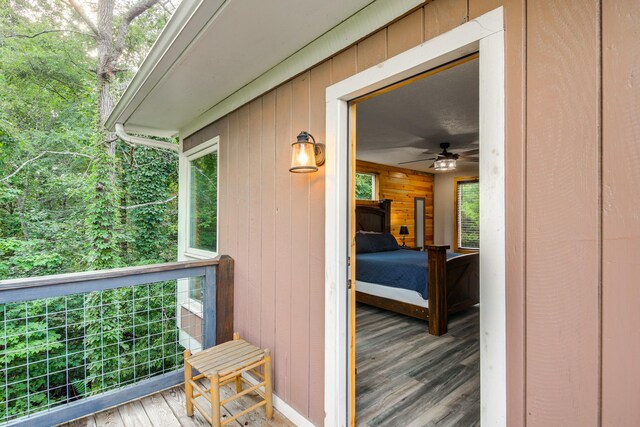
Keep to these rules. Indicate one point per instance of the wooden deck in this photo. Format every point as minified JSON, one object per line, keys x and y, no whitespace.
{"x":407,"y":377}
{"x":167,"y":409}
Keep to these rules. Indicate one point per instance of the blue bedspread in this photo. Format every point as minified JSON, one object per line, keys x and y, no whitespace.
{"x":399,"y":269}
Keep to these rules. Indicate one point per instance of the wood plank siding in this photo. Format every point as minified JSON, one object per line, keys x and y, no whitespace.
{"x":572,"y":226}
{"x":620,"y":205}
{"x":402,"y":186}
{"x":562,"y":82}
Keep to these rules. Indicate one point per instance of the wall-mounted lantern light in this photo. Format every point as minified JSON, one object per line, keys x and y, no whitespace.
{"x":306,"y":155}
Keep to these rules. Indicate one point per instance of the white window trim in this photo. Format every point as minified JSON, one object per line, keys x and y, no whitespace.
{"x":184,"y":251}
{"x":188,"y":156}
{"x":484,"y":34}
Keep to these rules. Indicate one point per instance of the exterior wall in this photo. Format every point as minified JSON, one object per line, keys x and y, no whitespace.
{"x":620,"y":199}
{"x":403,"y":186}
{"x":572,"y":222}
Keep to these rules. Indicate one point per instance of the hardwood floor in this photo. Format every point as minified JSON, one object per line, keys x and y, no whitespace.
{"x":406,"y":377}
{"x":167,"y":409}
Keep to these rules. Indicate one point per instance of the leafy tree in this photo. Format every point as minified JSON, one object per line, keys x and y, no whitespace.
{"x":73,"y":198}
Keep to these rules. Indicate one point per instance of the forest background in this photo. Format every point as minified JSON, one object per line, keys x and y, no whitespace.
{"x":73,"y":197}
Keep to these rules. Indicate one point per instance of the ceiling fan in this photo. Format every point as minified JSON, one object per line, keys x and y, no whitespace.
{"x":446,"y":161}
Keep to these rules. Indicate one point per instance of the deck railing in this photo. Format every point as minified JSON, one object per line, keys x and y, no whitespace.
{"x":74,"y":344}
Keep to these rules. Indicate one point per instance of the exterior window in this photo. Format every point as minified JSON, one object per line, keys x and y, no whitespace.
{"x":195,"y":288}
{"x":202,"y":226}
{"x":365,"y":186}
{"x":467,"y":224}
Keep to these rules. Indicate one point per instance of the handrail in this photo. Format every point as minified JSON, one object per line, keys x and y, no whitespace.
{"x":57,"y":285}
{"x":113,"y":273}
{"x":216,"y":311}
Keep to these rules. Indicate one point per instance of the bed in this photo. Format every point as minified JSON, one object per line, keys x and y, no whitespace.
{"x":426,"y":285}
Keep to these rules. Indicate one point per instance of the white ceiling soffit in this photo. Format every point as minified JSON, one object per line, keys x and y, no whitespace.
{"x":213,"y":49}
{"x":410,"y":122}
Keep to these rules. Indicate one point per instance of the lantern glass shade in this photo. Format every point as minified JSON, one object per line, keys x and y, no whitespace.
{"x":445,"y":164}
{"x":303,"y":157}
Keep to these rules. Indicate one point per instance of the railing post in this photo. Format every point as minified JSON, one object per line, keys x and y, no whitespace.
{"x":217,"y":310}
{"x":209,"y":308}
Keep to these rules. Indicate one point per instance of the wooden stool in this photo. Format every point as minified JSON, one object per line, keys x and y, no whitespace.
{"x":222,"y":365}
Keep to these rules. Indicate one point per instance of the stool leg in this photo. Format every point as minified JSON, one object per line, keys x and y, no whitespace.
{"x":268,"y":385}
{"x":188,"y":388}
{"x":214,"y":379}
{"x":239,"y":383}
{"x":236,"y":336}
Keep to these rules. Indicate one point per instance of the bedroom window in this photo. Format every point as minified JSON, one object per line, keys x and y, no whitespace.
{"x":202,"y":209}
{"x":366,"y":186}
{"x":467,"y":223}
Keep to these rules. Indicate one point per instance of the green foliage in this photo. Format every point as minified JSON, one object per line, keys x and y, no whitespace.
{"x":151,"y":175}
{"x":203,"y":223}
{"x":469,"y":195}
{"x":61,"y":199}
{"x":364,"y":186}
{"x":103,"y":213}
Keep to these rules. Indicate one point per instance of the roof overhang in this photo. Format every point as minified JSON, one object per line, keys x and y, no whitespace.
{"x":214,"y":56}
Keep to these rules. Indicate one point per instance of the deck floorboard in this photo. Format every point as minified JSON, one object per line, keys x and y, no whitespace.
{"x":168,"y":409}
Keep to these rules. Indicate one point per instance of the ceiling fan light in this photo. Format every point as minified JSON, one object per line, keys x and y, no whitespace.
{"x":445,"y":164}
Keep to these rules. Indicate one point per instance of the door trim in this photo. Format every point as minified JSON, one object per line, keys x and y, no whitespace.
{"x":486,"y":35}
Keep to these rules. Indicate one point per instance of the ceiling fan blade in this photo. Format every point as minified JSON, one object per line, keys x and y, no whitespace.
{"x":415,"y":161}
{"x":470,"y":152}
{"x":432,"y":165}
{"x":469,"y":159}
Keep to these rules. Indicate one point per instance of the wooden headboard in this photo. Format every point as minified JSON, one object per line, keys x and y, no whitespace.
{"x":373,"y":216}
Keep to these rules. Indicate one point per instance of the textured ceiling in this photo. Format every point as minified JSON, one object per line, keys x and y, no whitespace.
{"x":410,"y":122}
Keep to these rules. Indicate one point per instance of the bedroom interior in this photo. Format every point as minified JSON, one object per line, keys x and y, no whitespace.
{"x":417,"y":311}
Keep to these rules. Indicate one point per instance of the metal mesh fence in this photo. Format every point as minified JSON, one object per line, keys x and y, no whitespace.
{"x":57,"y":350}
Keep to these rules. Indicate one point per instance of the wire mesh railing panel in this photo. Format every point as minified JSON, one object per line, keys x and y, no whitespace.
{"x":58,"y":350}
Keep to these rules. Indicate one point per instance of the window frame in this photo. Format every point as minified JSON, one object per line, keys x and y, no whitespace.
{"x":456,"y":216}
{"x":195,"y":153}
{"x":374,"y":185}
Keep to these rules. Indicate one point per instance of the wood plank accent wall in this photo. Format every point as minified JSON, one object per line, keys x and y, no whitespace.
{"x":403,"y":186}
{"x":572,"y":225}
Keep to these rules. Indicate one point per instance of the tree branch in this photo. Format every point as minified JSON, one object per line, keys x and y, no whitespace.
{"x":65,"y":153}
{"x":83,"y":14}
{"x":33,"y":36}
{"x":161,"y":202}
{"x":134,"y":11}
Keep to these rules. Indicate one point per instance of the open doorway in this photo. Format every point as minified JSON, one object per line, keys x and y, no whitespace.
{"x":417,"y":184}
{"x":485,"y":35}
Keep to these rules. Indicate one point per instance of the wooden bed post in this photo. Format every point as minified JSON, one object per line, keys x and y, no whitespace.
{"x":438,"y":316}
